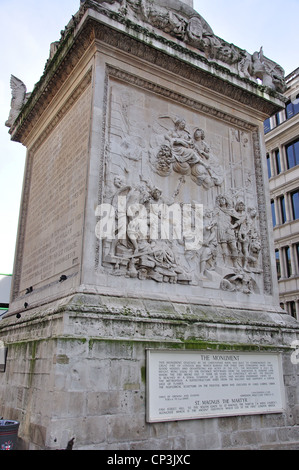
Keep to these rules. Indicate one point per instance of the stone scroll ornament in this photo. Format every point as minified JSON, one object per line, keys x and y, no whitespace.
{"x":184,"y":23}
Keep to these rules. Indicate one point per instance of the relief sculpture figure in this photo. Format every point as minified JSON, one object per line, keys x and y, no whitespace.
{"x":182,"y":147}
{"x":242,"y":229}
{"x":225,"y":215}
{"x":238,"y":238}
{"x":208,"y":252}
{"x":136,"y":254}
{"x":228,"y":255}
{"x":207,"y":171}
{"x":188,"y":154}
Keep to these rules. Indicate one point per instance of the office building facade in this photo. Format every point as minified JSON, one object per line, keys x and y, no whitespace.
{"x":282,"y":145}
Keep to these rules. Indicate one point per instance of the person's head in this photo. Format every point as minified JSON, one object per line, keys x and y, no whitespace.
{"x":199,"y":134}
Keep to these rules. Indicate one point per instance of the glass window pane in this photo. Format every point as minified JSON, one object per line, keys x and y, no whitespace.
{"x":288,"y":261}
{"x":289,"y":110}
{"x":290,"y":155}
{"x":267,"y":126}
{"x":296,"y":152}
{"x":295,"y":204}
{"x":273,"y":213}
{"x":292,"y":308}
{"x":282,"y":209}
{"x":277,"y":162}
{"x":278,"y":270}
{"x":269,"y":166}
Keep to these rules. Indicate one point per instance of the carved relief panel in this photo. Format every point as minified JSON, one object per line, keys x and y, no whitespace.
{"x":165,"y":155}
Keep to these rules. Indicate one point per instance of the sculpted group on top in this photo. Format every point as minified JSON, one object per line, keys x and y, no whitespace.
{"x":179,"y":21}
{"x":184,"y":23}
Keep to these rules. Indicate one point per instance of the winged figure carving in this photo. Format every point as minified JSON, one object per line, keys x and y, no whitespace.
{"x":19,"y":98}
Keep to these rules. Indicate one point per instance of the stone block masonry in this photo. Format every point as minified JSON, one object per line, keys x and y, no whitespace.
{"x":83,"y":375}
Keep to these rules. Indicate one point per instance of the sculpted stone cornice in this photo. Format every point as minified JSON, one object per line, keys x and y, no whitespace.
{"x":77,"y":41}
{"x":189,"y":30}
{"x":221,"y":83}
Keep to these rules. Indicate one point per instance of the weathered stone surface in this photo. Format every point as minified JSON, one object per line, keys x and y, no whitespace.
{"x":100,"y":375}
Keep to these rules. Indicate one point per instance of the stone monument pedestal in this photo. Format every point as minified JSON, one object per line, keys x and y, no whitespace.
{"x":78,"y":367}
{"x":145,"y":310}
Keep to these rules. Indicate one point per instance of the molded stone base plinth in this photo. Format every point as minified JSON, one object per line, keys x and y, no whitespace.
{"x":77,"y":369}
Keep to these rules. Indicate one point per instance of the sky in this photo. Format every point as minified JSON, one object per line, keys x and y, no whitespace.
{"x":27,"y":28}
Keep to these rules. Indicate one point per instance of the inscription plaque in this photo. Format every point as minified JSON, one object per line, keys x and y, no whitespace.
{"x":199,"y":384}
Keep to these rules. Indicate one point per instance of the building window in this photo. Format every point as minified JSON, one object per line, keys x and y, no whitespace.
{"x":273,"y":213}
{"x":277,"y":162}
{"x":287,"y":253}
{"x":297,"y":257}
{"x":278,"y":268}
{"x":277,"y":119}
{"x":282,"y":208}
{"x":292,"y":308}
{"x":292,"y":108}
{"x":269,"y":165}
{"x":267,"y":126}
{"x":295,"y":204}
{"x":292,"y":151}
